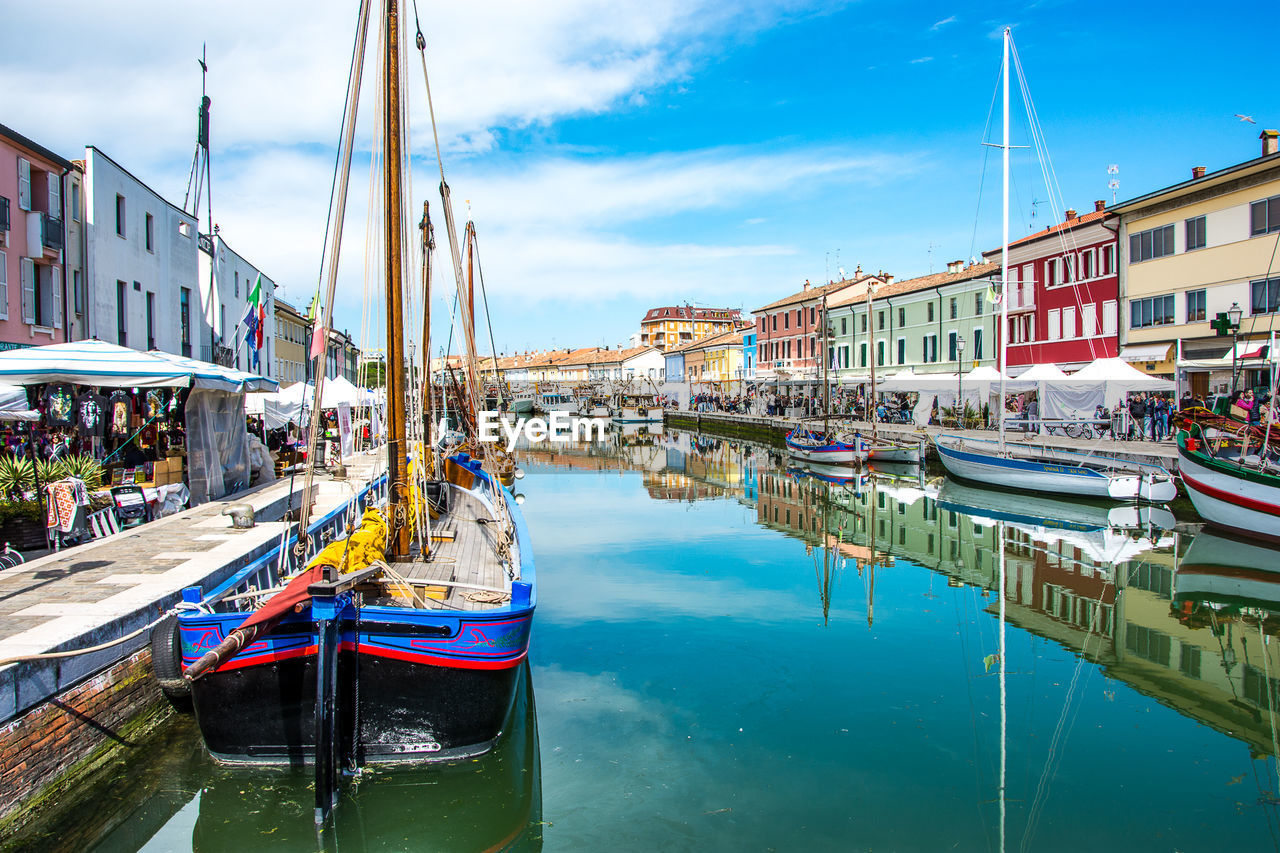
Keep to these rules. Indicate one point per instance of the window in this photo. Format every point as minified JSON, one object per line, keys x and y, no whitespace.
{"x":1087,"y":265}
{"x":151,"y":320}
{"x":1264,"y":216}
{"x":122,"y":293}
{"x":1195,"y":233}
{"x":1108,"y":264}
{"x":237,"y":284}
{"x":902,"y":317}
{"x":786,"y":320}
{"x":929,"y":312}
{"x":862,"y":355}
{"x":902,"y":350}
{"x":977,"y":344}
{"x":929,"y":349}
{"x":151,"y":232}
{"x":1089,"y":320}
{"x":75,"y":200}
{"x":1155,"y":243}
{"x":1069,"y":323}
{"x":1055,"y":324}
{"x":1110,"y":315}
{"x":24,"y":184}
{"x":1153,"y":311}
{"x":120,"y":215}
{"x":864,"y":322}
{"x":953,"y":308}
{"x":4,"y":213}
{"x":27,"y":273}
{"x":880,"y":320}
{"x":813,"y":315}
{"x":55,"y":196}
{"x":843,"y":328}
{"x":977,"y":303}
{"x":4,"y":287}
{"x":775,"y":322}
{"x":879,"y":353}
{"x":1195,"y":305}
{"x":953,"y":353}
{"x":1266,"y":295}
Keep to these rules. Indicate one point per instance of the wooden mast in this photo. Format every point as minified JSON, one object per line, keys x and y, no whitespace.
{"x":392,"y":139}
{"x":428,"y":245}
{"x":871,"y":357}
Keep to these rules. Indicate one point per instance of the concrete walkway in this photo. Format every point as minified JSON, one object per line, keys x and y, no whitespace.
{"x":1161,"y":453}
{"x":90,"y":594}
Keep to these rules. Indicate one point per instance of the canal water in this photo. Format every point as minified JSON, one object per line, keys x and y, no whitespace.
{"x":733,"y":654}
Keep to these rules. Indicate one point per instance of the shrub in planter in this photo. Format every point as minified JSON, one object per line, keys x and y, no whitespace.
{"x":22,"y":524}
{"x":16,"y":477}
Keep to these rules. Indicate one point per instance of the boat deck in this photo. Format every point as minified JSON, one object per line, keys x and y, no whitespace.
{"x":465,"y":552}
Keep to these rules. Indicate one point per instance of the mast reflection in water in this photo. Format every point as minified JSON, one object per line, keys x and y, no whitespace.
{"x":738,"y":654}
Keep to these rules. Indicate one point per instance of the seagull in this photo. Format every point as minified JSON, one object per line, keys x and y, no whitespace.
{"x":1245,"y":118}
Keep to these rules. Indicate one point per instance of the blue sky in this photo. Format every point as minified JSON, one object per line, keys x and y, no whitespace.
{"x":619,"y":155}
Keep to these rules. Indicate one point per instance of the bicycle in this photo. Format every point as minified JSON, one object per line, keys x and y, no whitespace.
{"x":10,"y":558}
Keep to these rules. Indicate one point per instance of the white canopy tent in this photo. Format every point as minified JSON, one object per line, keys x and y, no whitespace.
{"x":212,"y":372}
{"x":13,"y":404}
{"x":217,"y":442}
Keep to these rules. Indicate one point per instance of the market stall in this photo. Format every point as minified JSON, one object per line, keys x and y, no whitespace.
{"x":153,"y":422}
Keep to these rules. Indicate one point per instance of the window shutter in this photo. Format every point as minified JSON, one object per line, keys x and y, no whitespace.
{"x":24,"y":184}
{"x":28,"y":292}
{"x":55,"y":195}
{"x":55,"y":287}
{"x":4,"y":287}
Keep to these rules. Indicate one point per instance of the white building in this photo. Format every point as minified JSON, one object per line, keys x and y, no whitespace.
{"x":224,"y":295}
{"x":140,"y":263}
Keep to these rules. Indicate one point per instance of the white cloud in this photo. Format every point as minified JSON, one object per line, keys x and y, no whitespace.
{"x":922,"y":59}
{"x":950,"y":19}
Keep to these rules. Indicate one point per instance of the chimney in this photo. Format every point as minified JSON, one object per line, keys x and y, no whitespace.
{"x":1071,"y":214}
{"x":1268,"y":138}
{"x":1099,"y":206}
{"x":1197,"y":172}
{"x":955,"y":266}
{"x":806,"y":285}
{"x":888,"y":278}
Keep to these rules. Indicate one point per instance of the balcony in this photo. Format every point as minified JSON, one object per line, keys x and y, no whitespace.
{"x":44,"y":235}
{"x":53,"y":236}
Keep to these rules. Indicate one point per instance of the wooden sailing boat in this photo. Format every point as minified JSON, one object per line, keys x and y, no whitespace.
{"x":1043,"y":469}
{"x":823,"y":446}
{"x":403,"y":641}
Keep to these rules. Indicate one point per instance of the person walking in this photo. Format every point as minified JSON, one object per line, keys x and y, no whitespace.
{"x":1137,"y":414}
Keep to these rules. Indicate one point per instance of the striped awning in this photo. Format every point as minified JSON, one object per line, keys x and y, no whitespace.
{"x":102,"y":364}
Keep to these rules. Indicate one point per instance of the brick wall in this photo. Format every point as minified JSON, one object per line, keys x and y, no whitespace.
{"x":52,"y":746}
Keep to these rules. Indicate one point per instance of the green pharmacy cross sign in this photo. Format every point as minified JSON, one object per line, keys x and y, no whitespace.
{"x":1222,"y":324}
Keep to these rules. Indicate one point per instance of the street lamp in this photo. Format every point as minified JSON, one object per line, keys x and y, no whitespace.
{"x":1234,"y":313}
{"x":959,"y":381}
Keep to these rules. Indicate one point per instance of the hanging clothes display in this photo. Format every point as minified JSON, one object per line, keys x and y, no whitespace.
{"x":59,"y":405}
{"x":119,"y":408}
{"x":91,"y":414}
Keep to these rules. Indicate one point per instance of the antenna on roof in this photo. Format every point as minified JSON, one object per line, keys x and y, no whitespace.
{"x":932,"y":246}
{"x":1114,"y":183}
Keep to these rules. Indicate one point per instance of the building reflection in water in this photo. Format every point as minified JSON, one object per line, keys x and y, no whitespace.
{"x":1187,"y":619}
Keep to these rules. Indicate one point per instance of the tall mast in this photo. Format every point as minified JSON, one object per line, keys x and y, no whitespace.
{"x":871,"y":402}
{"x":826,"y":380}
{"x":428,"y":246}
{"x":392,"y":139}
{"x":1004,"y":246}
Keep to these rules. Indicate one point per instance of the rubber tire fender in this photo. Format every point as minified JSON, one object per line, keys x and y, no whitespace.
{"x":166,"y":661}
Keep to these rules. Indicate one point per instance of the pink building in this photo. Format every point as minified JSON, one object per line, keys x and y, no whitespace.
{"x":33,"y":304}
{"x":788,"y":336}
{"x":1063,"y":291}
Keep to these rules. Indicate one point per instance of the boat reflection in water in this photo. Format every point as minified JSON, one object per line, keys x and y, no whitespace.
{"x":493,"y":802}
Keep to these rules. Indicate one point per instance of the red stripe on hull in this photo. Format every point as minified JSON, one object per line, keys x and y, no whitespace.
{"x":365,"y":648}
{"x":1228,"y":497}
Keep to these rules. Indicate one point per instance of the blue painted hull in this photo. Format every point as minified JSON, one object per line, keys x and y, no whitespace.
{"x":412,"y":683}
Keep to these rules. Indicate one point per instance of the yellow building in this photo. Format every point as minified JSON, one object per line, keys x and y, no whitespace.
{"x":676,"y":325}
{"x":292,"y":344}
{"x":721,"y":358}
{"x":1192,"y":251}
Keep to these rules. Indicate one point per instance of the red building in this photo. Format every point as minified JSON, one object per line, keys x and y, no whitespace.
{"x":787,"y":330}
{"x":1063,"y":291}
